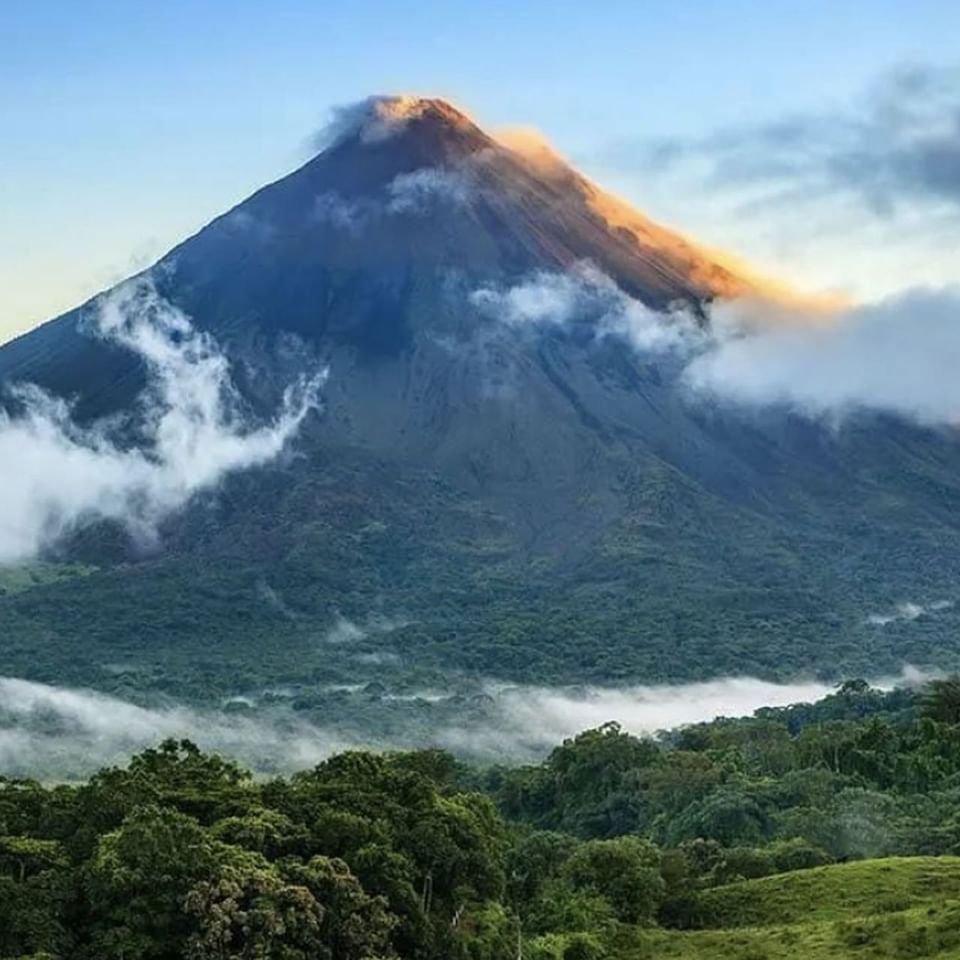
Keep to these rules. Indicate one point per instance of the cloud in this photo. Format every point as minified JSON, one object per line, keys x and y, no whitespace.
{"x":372,"y":120}
{"x":344,"y":630}
{"x":191,"y":427}
{"x":53,"y":731}
{"x":531,"y":720}
{"x":421,"y":190}
{"x":333,"y":208}
{"x":908,"y":612}
{"x":897,"y":145}
{"x":48,"y":731}
{"x":898,"y":356}
{"x":584,"y":295}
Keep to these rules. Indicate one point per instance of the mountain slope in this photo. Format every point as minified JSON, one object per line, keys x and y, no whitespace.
{"x":535,"y":502}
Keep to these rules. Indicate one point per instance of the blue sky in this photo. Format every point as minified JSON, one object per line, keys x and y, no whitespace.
{"x":127,"y":125}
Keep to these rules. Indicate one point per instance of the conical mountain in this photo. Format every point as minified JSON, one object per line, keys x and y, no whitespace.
{"x":409,"y":197}
{"x":526,"y":500}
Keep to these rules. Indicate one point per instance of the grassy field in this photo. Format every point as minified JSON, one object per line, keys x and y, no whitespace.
{"x":900,"y":908}
{"x":16,"y":579}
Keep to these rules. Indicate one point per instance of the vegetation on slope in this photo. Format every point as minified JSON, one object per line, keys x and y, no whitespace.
{"x":717,"y":840}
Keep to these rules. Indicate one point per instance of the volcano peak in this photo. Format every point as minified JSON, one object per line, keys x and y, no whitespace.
{"x":381,"y":117}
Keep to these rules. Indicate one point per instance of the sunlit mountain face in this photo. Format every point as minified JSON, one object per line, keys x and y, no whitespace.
{"x":506,"y":473}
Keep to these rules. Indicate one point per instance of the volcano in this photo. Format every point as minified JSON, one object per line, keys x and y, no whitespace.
{"x":487,"y":491}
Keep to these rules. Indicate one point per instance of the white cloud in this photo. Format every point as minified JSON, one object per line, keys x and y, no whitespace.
{"x":908,"y":612}
{"x":53,"y":731}
{"x":531,"y":720}
{"x":344,"y":630}
{"x":417,"y":192}
{"x":194,"y":433}
{"x":584,"y":293}
{"x":900,"y":356}
{"x":372,"y":120}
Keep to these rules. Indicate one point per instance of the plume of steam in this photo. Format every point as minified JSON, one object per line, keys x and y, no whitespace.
{"x":191,"y":423}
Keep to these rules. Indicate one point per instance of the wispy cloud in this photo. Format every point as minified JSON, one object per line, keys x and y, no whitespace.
{"x":372,"y":120}
{"x":584,"y":295}
{"x":531,"y":719}
{"x":897,"y":145}
{"x":332,"y":208}
{"x":191,"y":427}
{"x":420,"y":190}
{"x":908,"y":612}
{"x":346,"y":631}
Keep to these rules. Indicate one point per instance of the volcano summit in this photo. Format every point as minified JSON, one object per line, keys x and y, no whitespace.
{"x":508,"y":475}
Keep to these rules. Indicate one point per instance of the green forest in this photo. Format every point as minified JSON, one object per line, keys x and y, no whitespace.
{"x":828,"y":829}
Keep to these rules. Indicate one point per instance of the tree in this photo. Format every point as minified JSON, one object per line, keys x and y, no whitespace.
{"x":941,"y":700}
{"x":355,"y":926}
{"x":248,"y":913}
{"x":625,"y":871}
{"x":138,"y":878}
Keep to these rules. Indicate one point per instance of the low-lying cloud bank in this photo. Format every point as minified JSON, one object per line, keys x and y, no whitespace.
{"x":191,"y":433}
{"x":535,"y":718}
{"x":48,"y":731}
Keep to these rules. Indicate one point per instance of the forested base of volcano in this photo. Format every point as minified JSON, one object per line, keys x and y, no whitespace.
{"x":443,"y":585}
{"x":825,"y":830}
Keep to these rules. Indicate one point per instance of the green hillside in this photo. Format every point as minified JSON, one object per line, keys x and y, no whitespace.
{"x":897,"y":908}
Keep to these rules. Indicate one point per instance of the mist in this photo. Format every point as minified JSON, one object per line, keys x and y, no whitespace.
{"x":190,"y":426}
{"x":534,"y":719}
{"x":908,"y":611}
{"x":48,"y":731}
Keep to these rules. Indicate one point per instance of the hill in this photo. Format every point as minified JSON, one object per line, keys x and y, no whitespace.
{"x":902,"y":907}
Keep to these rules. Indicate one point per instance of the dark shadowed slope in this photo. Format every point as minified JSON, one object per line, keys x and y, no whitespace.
{"x":536,"y":503}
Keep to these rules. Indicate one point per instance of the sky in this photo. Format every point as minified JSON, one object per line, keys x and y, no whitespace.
{"x":818,"y":139}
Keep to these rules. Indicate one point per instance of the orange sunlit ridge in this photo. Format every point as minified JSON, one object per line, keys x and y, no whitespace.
{"x":726,"y":274}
